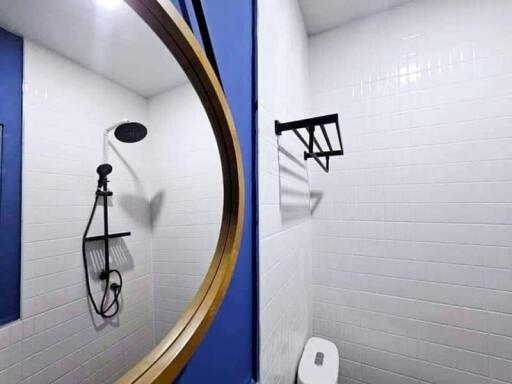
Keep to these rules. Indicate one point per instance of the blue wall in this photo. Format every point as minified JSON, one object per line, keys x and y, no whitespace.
{"x":11,"y":75}
{"x":227,"y":353}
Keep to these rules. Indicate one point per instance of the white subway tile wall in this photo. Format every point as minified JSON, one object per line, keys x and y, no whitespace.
{"x":167,"y":192}
{"x":187,"y":200}
{"x":66,"y":110}
{"x":285,"y":269}
{"x":412,"y":235}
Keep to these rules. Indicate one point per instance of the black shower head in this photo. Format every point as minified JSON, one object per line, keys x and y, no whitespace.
{"x":104,"y":169}
{"x":130,"y":132}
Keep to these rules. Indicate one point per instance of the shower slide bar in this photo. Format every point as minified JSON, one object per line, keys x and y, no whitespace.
{"x":314,"y":149}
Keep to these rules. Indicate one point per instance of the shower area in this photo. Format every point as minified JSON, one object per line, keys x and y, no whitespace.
{"x":402,"y":253}
{"x":121,"y":139}
{"x":160,"y":242}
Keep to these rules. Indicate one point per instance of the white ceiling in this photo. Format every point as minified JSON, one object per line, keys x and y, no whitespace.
{"x":322,"y":15}
{"x":112,"y":41}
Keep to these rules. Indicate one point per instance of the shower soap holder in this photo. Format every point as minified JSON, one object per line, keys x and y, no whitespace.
{"x":110,"y":236}
{"x":314,"y":150}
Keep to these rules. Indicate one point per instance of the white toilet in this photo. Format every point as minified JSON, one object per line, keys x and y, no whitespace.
{"x":319,"y":363}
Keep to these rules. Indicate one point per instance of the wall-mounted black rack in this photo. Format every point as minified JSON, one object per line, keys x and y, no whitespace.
{"x":110,"y":236}
{"x":314,"y":150}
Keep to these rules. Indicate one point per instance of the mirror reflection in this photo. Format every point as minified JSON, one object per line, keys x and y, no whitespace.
{"x":121,"y":190}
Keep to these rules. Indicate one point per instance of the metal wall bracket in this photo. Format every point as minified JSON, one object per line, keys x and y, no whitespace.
{"x":314,"y":150}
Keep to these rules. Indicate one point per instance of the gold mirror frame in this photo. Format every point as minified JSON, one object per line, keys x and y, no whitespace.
{"x":164,"y":363}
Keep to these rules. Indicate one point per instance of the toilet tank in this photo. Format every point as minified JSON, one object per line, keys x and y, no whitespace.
{"x":319,"y":363}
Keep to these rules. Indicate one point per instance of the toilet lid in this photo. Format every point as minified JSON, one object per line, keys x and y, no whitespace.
{"x":319,"y":363}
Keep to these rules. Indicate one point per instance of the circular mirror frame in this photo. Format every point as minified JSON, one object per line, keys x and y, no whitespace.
{"x":164,"y":363}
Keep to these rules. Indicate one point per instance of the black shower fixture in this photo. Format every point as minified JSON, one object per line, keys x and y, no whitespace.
{"x":103,"y":171}
{"x":127,"y":132}
{"x":130,"y":132}
{"x":314,"y":150}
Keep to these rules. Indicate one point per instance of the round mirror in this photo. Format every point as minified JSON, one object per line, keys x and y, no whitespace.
{"x":131,"y":192}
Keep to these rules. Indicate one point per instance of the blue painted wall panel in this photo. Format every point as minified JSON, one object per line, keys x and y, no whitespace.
{"x":11,"y":77}
{"x":226,"y":355}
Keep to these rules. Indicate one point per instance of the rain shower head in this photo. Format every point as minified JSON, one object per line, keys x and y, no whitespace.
{"x":130,"y":132}
{"x":126,"y":132}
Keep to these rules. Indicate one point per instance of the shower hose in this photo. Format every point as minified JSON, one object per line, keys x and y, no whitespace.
{"x":105,"y":307}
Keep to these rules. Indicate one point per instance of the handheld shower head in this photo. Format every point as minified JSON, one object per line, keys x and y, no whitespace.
{"x":103,"y":171}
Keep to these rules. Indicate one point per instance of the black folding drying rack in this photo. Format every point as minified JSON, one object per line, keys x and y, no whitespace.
{"x":314,"y":150}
